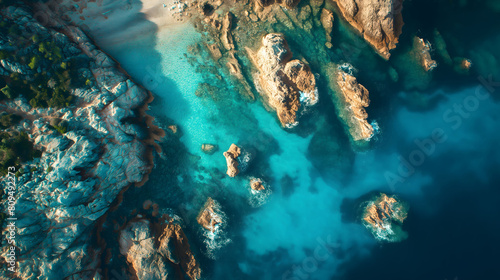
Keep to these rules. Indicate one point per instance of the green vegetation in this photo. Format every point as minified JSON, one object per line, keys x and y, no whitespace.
{"x":8,"y":120}
{"x":15,"y":148}
{"x":54,"y":75}
{"x":50,"y":168}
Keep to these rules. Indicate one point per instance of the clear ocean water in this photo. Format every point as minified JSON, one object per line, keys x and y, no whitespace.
{"x":308,"y":227}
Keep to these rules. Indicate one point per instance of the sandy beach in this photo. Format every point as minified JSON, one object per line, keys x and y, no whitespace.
{"x":121,"y":21}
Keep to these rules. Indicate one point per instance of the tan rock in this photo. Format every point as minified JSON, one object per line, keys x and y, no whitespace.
{"x":209,"y":216}
{"x":227,"y":37}
{"x":357,"y":98}
{"x":383,"y":216}
{"x":214,"y":51}
{"x":282,"y":82}
{"x":256,"y":185}
{"x":174,"y":235}
{"x":152,"y":248}
{"x":327,"y":22}
{"x":466,"y":64}
{"x":379,"y":21}
{"x":422,"y":50}
{"x":231,"y":160}
{"x":173,"y":128}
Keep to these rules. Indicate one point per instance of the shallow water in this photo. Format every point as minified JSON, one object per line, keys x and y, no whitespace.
{"x":308,"y":228}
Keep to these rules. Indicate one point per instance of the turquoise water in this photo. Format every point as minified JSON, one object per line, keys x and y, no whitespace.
{"x":307,"y":227}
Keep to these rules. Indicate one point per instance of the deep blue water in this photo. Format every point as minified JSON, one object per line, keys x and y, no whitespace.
{"x":308,"y":227}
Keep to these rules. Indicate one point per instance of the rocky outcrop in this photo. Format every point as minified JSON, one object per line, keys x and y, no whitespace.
{"x":151,"y":253}
{"x":213,"y":222}
{"x":379,"y":21}
{"x":383,"y":216}
{"x":356,"y":98}
{"x":327,"y":22}
{"x":232,"y":160}
{"x":81,"y":172}
{"x":210,"y":215}
{"x":285,"y":84}
{"x":227,"y":37}
{"x":256,"y":185}
{"x":423,"y":49}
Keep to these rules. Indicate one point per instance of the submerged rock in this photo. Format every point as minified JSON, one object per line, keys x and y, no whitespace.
{"x":379,"y":21}
{"x":209,"y":149}
{"x":383,"y":216}
{"x":283,"y":82}
{"x":231,"y":159}
{"x":356,"y":97}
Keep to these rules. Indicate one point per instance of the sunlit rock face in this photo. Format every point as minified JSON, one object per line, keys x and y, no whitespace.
{"x":152,"y":249}
{"x":231,"y":156}
{"x":284,"y":83}
{"x":356,"y":97}
{"x":379,"y":21}
{"x":383,"y":216}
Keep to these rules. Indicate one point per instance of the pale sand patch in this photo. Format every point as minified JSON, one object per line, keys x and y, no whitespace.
{"x":167,"y":12}
{"x":112,"y":22}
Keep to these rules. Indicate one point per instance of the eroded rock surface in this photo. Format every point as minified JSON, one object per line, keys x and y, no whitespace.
{"x":209,"y":216}
{"x":152,"y":253}
{"x":232,"y":160}
{"x":423,"y":51}
{"x":284,"y":83}
{"x":379,"y":21}
{"x":256,"y":185}
{"x":356,"y":97}
{"x":327,"y":22}
{"x":80,"y":172}
{"x":383,"y":216}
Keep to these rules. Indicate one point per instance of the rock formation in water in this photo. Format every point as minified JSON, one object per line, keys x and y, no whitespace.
{"x":86,"y":164}
{"x":232,"y":160}
{"x":152,"y":249}
{"x":209,"y":149}
{"x":327,"y":22}
{"x":379,"y":21}
{"x":356,"y":98}
{"x":284,"y":83}
{"x":383,"y":216}
{"x":210,"y":215}
{"x":256,"y":185}
{"x":423,"y":49}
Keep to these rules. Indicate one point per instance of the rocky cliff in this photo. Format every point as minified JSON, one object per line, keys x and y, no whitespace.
{"x":83,"y":168}
{"x":285,"y":84}
{"x":379,"y":21}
